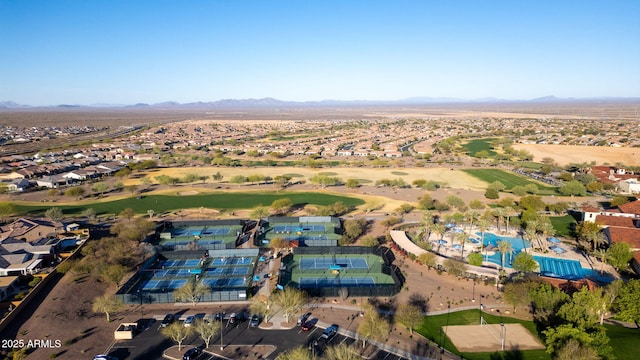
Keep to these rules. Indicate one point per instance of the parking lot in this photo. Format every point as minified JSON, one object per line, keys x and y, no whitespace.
{"x":149,"y":343}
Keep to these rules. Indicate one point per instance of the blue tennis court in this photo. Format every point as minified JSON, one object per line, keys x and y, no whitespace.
{"x":305,"y":237}
{"x":172,"y":272}
{"x":164,"y":284}
{"x":179,"y":263}
{"x":216,"y":231}
{"x":232,"y":261}
{"x":325,"y":263}
{"x":227,"y":271}
{"x":220,"y":282}
{"x":298,"y":228}
{"x":315,"y":282}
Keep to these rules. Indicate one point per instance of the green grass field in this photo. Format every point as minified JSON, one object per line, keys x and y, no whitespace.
{"x":431,"y":325}
{"x":222,"y":201}
{"x":622,"y":340}
{"x":562,"y":225}
{"x":508,"y":179}
{"x":475,"y":145}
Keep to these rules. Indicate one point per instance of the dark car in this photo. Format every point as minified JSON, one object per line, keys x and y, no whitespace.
{"x":308,"y":325}
{"x":168,"y":319}
{"x":191,"y":354}
{"x":255,"y":320}
{"x":303,"y":318}
{"x":329,"y":332}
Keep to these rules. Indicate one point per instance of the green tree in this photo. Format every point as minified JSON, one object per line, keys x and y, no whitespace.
{"x":573,"y":188}
{"x":135,"y":230}
{"x":281,"y":206}
{"x":100,"y":187}
{"x":573,"y":350}
{"x":127,"y":213}
{"x":353,"y":228}
{"x":206,"y":329}
{"x":54,"y":213}
{"x":596,"y":339}
{"x":177,"y":332}
{"x":619,"y":255}
{"x":341,"y":352}
{"x":619,"y":200}
{"x":372,"y":325}
{"x":491,"y":193}
{"x":290,"y":300}
{"x":428,"y":259}
{"x":545,"y":302}
{"x":517,"y":293}
{"x":410,"y":315}
{"x":352,"y":183}
{"x":297,"y":353}
{"x":475,"y":259}
{"x":260,"y":212}
{"x":504,"y":247}
{"x":524,"y":262}
{"x":626,"y":303}
{"x":454,"y":267}
{"x":192,"y":291}
{"x":263,"y":306}
{"x":590,"y":232}
{"x":113,"y":273}
{"x":238,"y":179}
{"x":76,"y":191}
{"x":107,"y":304}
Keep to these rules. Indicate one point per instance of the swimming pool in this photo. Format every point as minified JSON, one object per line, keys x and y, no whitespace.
{"x":548,"y":266}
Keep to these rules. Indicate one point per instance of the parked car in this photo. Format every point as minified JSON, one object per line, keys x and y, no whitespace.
{"x":255,"y":320}
{"x":191,"y":354}
{"x":308,"y":325}
{"x":104,"y":357}
{"x":329,"y":332}
{"x":168,"y":319}
{"x":189,"y":320}
{"x":220,"y":316}
{"x":303,"y":318}
{"x":233,"y":318}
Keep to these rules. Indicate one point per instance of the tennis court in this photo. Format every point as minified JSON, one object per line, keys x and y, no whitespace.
{"x":224,"y":282}
{"x":165,"y":285}
{"x":326,"y":263}
{"x":181,"y":262}
{"x":231,"y":261}
{"x":315,"y":282}
{"x":180,"y":272}
{"x":298,"y":228}
{"x":305,"y":237}
{"x":227,"y":271}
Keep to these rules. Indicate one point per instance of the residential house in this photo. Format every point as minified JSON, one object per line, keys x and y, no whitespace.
{"x":31,"y":230}
{"x":8,"y":286}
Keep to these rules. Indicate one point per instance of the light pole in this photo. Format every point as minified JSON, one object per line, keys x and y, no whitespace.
{"x":481,"y":308}
{"x":141,"y":309}
{"x":221,"y":331}
{"x":473,"y":294}
{"x":502,"y":330}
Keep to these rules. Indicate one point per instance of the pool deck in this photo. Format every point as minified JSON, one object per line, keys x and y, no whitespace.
{"x":570,"y":253}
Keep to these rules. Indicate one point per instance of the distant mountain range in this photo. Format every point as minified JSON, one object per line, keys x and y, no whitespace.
{"x":275,"y":103}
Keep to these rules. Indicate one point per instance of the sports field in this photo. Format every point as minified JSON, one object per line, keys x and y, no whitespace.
{"x":508,"y":179}
{"x":218,"y":273}
{"x":340,"y":270}
{"x":198,"y":237}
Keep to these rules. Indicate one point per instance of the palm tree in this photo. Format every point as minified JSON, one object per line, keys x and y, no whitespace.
{"x":462,"y":237}
{"x":439,"y":229}
{"x":508,"y":211}
{"x":530,"y":233}
{"x":602,"y":255}
{"x":498,"y":213}
{"x":504,"y":247}
{"x":546,"y":228}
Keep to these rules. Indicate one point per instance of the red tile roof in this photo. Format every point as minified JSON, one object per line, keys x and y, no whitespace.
{"x":619,"y":221}
{"x":630,"y":207}
{"x":630,"y":236}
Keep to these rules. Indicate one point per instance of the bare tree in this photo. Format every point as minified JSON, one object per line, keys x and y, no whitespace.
{"x":177,"y":332}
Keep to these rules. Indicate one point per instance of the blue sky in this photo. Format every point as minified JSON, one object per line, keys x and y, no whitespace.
{"x":124,"y":52}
